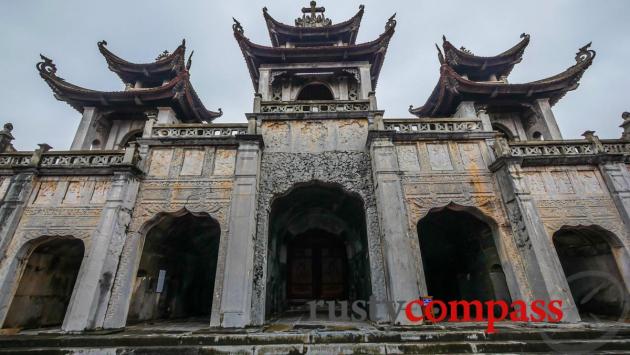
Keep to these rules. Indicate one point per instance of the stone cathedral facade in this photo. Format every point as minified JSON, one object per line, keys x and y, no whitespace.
{"x":156,"y":212}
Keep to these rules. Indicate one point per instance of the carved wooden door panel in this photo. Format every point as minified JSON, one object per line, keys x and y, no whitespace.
{"x":316,"y":268}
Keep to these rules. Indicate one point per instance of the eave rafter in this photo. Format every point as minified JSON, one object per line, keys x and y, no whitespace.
{"x":279,"y":32}
{"x":464,"y":61}
{"x":452,"y":88}
{"x":165,"y":67}
{"x":178,"y":93}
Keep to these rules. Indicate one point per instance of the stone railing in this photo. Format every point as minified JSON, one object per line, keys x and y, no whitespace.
{"x":198,"y":130}
{"x":433,"y":125}
{"x":69,"y":159}
{"x":561,"y":148}
{"x":17,"y":159}
{"x":314,"y":106}
{"x":615,"y":146}
{"x":87,"y":159}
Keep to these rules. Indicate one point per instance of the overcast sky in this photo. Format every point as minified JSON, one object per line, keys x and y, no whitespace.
{"x":67,"y":32}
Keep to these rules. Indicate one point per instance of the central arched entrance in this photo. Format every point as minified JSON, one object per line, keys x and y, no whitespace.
{"x":175,"y":278}
{"x":317,"y":248}
{"x":460,"y":258}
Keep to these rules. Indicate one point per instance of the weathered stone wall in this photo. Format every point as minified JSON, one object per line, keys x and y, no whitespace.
{"x":57,"y":206}
{"x":438,"y":173}
{"x":179,"y":180}
{"x":574,"y":196}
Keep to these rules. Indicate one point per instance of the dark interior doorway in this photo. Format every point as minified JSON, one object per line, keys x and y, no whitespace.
{"x":317,"y":248}
{"x":592,"y":272}
{"x":46,"y":285}
{"x":460,"y":258}
{"x":315,"y":92}
{"x":316,"y":267}
{"x":177,"y":269}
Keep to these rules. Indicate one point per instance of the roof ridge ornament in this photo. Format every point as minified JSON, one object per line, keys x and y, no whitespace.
{"x":391,"y":22}
{"x":584,"y":53}
{"x":162,"y":55}
{"x":189,"y":62}
{"x":440,"y":55}
{"x":237,"y":26}
{"x":313,"y":16}
{"x":46,"y":66}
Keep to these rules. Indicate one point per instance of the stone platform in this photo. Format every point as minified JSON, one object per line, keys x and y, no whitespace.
{"x":302,"y":337}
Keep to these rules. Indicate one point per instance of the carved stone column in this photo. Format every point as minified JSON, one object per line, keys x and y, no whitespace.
{"x":401,"y":270}
{"x":541,"y":264}
{"x":543,"y":108}
{"x":87,"y":307}
{"x":16,"y":199}
{"x":236,"y":300}
{"x":87,"y":129}
{"x":12,"y":206}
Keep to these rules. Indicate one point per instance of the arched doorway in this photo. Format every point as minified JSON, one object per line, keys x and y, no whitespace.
{"x":315,"y":91}
{"x":317,"y":248}
{"x":175,"y":278}
{"x":460,"y":258}
{"x":46,"y":284}
{"x":589,"y":258}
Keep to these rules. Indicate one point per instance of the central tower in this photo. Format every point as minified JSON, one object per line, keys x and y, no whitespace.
{"x":314,"y":66}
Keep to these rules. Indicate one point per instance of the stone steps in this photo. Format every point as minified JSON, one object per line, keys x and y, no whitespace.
{"x":430,"y":341}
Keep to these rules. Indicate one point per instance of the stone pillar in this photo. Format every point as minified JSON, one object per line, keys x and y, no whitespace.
{"x":88,"y":304}
{"x":12,"y":206}
{"x":465,"y":109}
{"x":401,"y":271}
{"x":486,"y":124}
{"x":544,"y":272}
{"x":543,"y":108}
{"x":264,"y":81}
{"x":87,"y":129}
{"x":236,"y":300}
{"x":16,"y":199}
{"x":625,"y":125}
{"x":366,"y":82}
{"x":166,"y":115}
{"x":5,"y":138}
{"x":617,"y":180}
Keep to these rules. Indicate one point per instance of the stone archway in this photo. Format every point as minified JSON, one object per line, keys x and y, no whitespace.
{"x":50,"y":266}
{"x":317,"y":248}
{"x":595,"y":264}
{"x":460,"y":257}
{"x":177,"y":269}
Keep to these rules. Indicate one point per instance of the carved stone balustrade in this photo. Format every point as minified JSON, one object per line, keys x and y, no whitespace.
{"x":87,"y":159}
{"x":198,"y":130}
{"x":17,"y":159}
{"x":314,"y":106}
{"x":564,"y":152}
{"x":433,"y":125}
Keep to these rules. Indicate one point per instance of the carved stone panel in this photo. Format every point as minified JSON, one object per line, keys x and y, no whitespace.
{"x":74,"y":192}
{"x":439,"y":157}
{"x":160,"y":162}
{"x":471,"y":156}
{"x":193,"y":162}
{"x":408,"y":158}
{"x":45,"y":192}
{"x":224,"y":162}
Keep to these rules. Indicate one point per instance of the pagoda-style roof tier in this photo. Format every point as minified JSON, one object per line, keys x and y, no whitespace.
{"x":281,"y":33}
{"x":481,"y":68}
{"x":372,"y":52}
{"x":165,"y":67}
{"x":178,"y":94}
{"x":452,"y":89}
